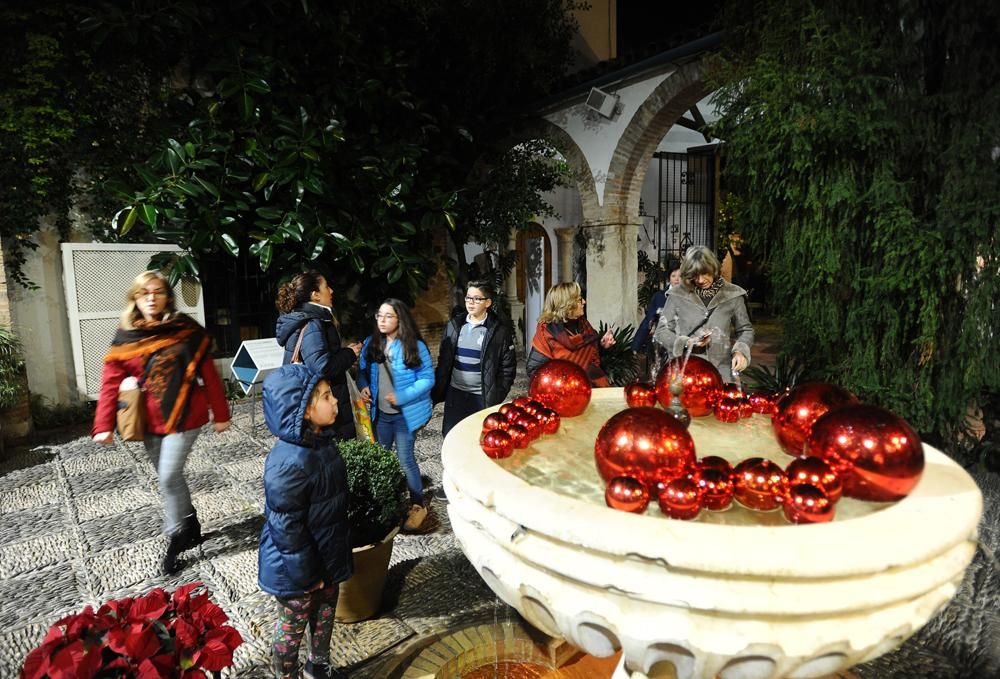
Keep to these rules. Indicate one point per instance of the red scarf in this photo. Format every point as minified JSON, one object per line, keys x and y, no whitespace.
{"x":555,"y":340}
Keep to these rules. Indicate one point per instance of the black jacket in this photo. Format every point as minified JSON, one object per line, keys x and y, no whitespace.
{"x":499,"y":360}
{"x":321,"y":352}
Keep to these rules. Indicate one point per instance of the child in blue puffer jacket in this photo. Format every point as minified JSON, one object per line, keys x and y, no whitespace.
{"x":396,"y":376}
{"x":305,"y":547}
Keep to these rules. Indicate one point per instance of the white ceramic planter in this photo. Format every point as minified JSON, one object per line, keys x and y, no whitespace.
{"x":736,"y":594}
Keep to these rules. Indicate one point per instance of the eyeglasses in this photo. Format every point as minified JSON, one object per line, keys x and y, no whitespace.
{"x":477,"y":300}
{"x":146,"y":293}
{"x":384,"y":317}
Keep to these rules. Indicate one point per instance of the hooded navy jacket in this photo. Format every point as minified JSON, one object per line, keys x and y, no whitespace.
{"x":306,"y":537}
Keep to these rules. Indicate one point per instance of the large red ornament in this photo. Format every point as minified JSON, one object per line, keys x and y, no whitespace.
{"x":728,"y":409}
{"x":640,"y":394}
{"x":715,"y":462}
{"x":562,"y":386}
{"x":758,"y":484}
{"x":796,"y":411}
{"x":805,"y":503}
{"x":626,"y":494}
{"x":551,"y":423}
{"x":817,"y":472}
{"x":495,"y":421}
{"x":716,"y":489}
{"x":701,"y":382}
{"x":532,"y":407}
{"x":761,"y":403}
{"x":680,"y":499}
{"x":519,"y":435}
{"x":511,"y":411}
{"x":644,"y":443}
{"x":497,"y":444}
{"x":876,"y":454}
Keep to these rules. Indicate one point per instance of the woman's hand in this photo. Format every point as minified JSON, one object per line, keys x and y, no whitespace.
{"x":701,"y":341}
{"x":356,"y":348}
{"x":391,"y":398}
{"x":104,"y":437}
{"x":366,"y":395}
{"x":740,"y":362}
{"x":221,"y":426}
{"x":608,"y":339}
{"x":317,"y":586}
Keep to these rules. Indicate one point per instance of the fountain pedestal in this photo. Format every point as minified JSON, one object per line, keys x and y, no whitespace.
{"x":734,"y":594}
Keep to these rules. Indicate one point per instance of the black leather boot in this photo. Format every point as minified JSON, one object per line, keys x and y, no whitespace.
{"x":193,"y":530}
{"x":174,"y":549}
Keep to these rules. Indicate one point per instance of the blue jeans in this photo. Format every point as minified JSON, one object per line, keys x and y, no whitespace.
{"x":391,"y":428}
{"x":169,"y":453}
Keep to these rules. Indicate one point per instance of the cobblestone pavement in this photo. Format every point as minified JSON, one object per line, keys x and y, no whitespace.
{"x":80,"y":524}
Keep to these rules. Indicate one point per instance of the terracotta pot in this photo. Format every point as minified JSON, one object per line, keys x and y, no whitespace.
{"x":361,"y":595}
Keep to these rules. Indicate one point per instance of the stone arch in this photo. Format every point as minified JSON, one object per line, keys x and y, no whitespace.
{"x":681,"y":90}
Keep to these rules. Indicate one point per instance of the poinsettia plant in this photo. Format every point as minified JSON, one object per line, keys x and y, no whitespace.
{"x":154,"y":636}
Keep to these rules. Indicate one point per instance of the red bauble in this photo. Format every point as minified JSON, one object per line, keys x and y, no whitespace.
{"x":519,"y":435}
{"x":716,"y":489}
{"x":714,"y":462}
{"x":640,"y":394}
{"x":701,"y":382}
{"x":680,"y":499}
{"x":876,"y":454}
{"x":728,"y":409}
{"x":530,"y":425}
{"x":797,"y":410}
{"x":552,"y":420}
{"x":758,"y":484}
{"x":495,"y":421}
{"x":645,"y":443}
{"x":497,"y":444}
{"x":761,"y":403}
{"x":817,"y":472}
{"x":511,"y":411}
{"x":805,"y":503}
{"x":626,"y":494}
{"x":532,"y":407}
{"x":520,"y":401}
{"x":562,"y":386}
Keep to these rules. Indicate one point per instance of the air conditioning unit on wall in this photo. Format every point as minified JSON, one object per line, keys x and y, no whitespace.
{"x":602,"y":102}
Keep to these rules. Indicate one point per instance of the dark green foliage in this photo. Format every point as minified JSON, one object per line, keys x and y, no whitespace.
{"x":379,"y":498}
{"x":788,"y":372}
{"x":862,"y":138}
{"x":46,"y":415}
{"x":12,"y":384}
{"x":618,"y":360}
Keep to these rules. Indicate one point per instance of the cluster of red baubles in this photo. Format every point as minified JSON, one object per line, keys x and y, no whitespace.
{"x":841,"y":446}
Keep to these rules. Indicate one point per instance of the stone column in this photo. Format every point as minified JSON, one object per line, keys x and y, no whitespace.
{"x":510,"y":292}
{"x":612,"y":273}
{"x":565,"y":252}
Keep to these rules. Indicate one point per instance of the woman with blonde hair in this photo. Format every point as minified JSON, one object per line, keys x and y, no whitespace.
{"x":564,"y":333}
{"x":166,"y":354}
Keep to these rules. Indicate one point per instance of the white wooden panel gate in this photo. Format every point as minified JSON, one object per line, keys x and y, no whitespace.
{"x":96,"y":277}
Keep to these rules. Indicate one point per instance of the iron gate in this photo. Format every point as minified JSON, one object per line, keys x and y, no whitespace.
{"x":685,"y":204}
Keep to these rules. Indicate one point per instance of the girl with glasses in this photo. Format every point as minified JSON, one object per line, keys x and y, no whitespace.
{"x":476,"y":359}
{"x":396,"y":375}
{"x":166,"y":354}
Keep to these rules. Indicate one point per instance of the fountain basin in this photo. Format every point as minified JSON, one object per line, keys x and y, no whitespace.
{"x":732,"y":594}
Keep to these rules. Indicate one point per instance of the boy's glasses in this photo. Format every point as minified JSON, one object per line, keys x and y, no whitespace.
{"x":384,"y":317}
{"x":477,"y":300}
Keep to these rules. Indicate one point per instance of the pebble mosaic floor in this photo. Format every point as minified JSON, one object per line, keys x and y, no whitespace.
{"x":80,"y":524}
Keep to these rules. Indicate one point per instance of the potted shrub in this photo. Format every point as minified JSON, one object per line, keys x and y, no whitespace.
{"x":379,"y":500}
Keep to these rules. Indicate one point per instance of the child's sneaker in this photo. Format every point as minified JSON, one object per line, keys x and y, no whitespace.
{"x":416,"y":517}
{"x":321,"y":671}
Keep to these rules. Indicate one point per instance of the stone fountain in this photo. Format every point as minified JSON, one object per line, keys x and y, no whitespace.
{"x":734,"y":594}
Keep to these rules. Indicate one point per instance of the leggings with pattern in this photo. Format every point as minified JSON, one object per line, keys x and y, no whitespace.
{"x":315,"y":610}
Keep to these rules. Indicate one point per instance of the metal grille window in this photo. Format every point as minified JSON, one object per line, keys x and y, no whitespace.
{"x":685,"y":203}
{"x":96,"y":277}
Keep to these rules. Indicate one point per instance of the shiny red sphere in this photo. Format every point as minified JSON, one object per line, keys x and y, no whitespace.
{"x":806,"y":503}
{"x":817,"y":472}
{"x":680,"y":499}
{"x":876,"y":454}
{"x":495,"y":421}
{"x":511,"y":411}
{"x":728,"y":409}
{"x":797,"y":410}
{"x":758,"y":484}
{"x":644,"y":443}
{"x":497,"y":444}
{"x":640,"y":394}
{"x":701,"y":383}
{"x":552,"y":420}
{"x":626,"y":494}
{"x":761,"y":402}
{"x":530,"y":425}
{"x":714,"y":462}
{"x":532,"y":407}
{"x":519,"y":435}
{"x":562,"y":386}
{"x":520,"y":401}
{"x":716,"y":489}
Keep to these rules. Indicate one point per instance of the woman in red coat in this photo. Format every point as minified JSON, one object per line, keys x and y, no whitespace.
{"x":166,"y":354}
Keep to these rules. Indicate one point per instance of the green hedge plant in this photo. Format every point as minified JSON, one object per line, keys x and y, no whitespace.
{"x":379,"y":497}
{"x":11,"y":369}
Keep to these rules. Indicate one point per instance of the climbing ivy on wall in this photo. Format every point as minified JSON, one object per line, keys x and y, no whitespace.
{"x":864,"y":138}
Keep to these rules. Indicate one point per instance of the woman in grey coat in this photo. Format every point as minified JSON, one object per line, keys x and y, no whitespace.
{"x":707,"y":313}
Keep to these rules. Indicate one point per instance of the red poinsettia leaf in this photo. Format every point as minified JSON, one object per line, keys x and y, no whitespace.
{"x":185,"y":634}
{"x":148,"y":669}
{"x":141,"y":642}
{"x":120,"y":662}
{"x":230,"y":637}
{"x":65,"y":662}
{"x":182,"y":593}
{"x":116,"y":640}
{"x":214,"y":655}
{"x":213,"y":615}
{"x":149,"y":607}
{"x":36,"y":664}
{"x":91,"y":662}
{"x":195,"y":673}
{"x":166,"y":662}
{"x":118,"y":608}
